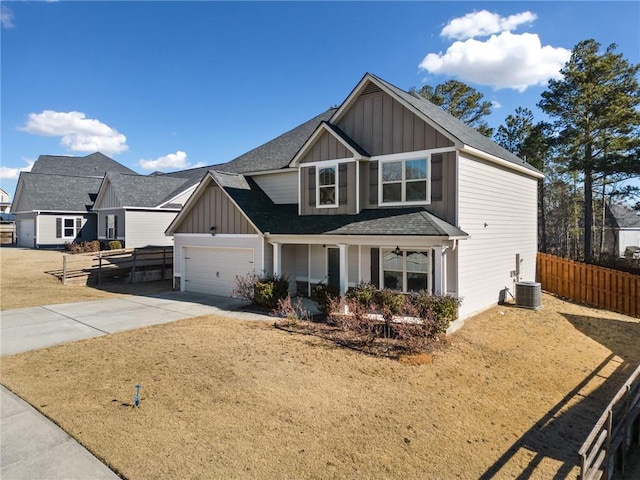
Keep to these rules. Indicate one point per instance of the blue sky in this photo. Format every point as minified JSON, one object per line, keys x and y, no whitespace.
{"x":173,"y":85}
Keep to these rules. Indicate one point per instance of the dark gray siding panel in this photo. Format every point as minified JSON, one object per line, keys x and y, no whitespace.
{"x":346,"y":191}
{"x":382,"y":126}
{"x":214,"y":208}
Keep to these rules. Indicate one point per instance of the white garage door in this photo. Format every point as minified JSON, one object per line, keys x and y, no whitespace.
{"x":214,"y":270}
{"x":25,"y":233}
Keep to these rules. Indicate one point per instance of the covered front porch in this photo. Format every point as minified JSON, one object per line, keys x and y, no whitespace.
{"x":401,"y":263}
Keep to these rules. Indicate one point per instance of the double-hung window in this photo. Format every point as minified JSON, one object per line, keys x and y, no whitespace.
{"x":68,"y":227}
{"x":406,"y":271}
{"x":327,"y":186}
{"x":404,"y":182}
{"x":111,"y":227}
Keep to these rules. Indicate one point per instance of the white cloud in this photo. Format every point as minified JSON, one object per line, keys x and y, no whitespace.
{"x":14,"y":173}
{"x":504,"y":60}
{"x":176,"y":160}
{"x":483,"y":23}
{"x":78,"y":133}
{"x":6,"y":17}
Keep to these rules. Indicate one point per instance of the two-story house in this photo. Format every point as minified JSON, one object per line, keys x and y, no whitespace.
{"x":388,"y":188}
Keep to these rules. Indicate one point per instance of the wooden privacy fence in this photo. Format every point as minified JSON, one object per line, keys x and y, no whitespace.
{"x":591,"y":284}
{"x":125,"y":265}
{"x":617,"y":431}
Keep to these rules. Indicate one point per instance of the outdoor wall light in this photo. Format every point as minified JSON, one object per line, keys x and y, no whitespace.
{"x":213,"y":231}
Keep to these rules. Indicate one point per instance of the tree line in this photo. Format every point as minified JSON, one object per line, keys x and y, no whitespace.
{"x":588,"y":148}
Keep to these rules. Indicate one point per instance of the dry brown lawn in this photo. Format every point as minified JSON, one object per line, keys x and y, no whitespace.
{"x":25,"y":283}
{"x":512,"y":394}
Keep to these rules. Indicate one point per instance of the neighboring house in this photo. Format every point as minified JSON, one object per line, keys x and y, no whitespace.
{"x":5,"y":204}
{"x":137,"y":209}
{"x":625,"y":227}
{"x":388,"y":188}
{"x":53,"y":202}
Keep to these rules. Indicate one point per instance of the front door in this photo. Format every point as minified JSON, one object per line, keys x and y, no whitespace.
{"x":333,"y":266}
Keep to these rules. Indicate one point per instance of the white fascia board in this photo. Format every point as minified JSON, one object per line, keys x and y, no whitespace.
{"x":500,"y":161}
{"x":73,"y":212}
{"x":217,"y":235}
{"x":320,"y":129}
{"x":329,"y":163}
{"x":405,"y":241}
{"x":268,"y":172}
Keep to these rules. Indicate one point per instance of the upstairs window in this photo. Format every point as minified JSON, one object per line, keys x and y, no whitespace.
{"x":404,"y":182}
{"x":327,"y":186}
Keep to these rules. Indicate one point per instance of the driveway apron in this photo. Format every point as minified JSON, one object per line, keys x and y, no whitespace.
{"x":33,"y":447}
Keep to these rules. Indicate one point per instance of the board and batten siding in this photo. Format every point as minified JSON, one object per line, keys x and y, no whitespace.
{"x":326,"y":147}
{"x":498,"y":209}
{"x":382,"y":126}
{"x":109,"y":198}
{"x":281,"y":187}
{"x":146,"y":228}
{"x":443,"y":186}
{"x":346,"y":191}
{"x":215,"y":209}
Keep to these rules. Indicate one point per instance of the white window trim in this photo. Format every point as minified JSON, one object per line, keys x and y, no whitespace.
{"x":404,"y":158}
{"x":404,"y":266}
{"x":112,"y":229}
{"x":76,"y":230}
{"x":337,"y":185}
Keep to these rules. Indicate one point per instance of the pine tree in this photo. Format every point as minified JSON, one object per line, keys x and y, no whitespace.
{"x":594,"y":108}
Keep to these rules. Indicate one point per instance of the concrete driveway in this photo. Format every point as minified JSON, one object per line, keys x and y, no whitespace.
{"x":33,"y":447}
{"x":27,"y":329}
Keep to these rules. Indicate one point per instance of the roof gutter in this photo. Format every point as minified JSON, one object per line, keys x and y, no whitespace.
{"x":501,"y":162}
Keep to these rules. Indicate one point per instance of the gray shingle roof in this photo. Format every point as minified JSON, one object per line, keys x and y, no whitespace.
{"x":624,"y":217}
{"x":94,"y":165}
{"x":284,"y":219}
{"x":146,"y":191}
{"x":278,"y":152}
{"x":49,"y":192}
{"x":455,"y":127}
{"x":338,"y":131}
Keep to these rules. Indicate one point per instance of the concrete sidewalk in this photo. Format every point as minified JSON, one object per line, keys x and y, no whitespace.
{"x":31,"y":446}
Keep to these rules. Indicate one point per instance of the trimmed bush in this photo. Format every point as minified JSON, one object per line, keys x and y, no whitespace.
{"x":263,"y":290}
{"x":323,"y":295}
{"x":114,"y":245}
{"x":364,"y":293}
{"x":269,"y":289}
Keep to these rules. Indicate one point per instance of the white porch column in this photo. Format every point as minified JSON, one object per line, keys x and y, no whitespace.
{"x":277,"y":258}
{"x":439,"y":275}
{"x":344,"y":268}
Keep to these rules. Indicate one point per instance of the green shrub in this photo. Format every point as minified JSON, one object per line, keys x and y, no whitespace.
{"x":269,"y":289}
{"x":323,"y":295}
{"x":364,"y":293}
{"x":437,"y":310}
{"x":114,"y":245}
{"x":263,"y":290}
{"x":389,"y":301}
